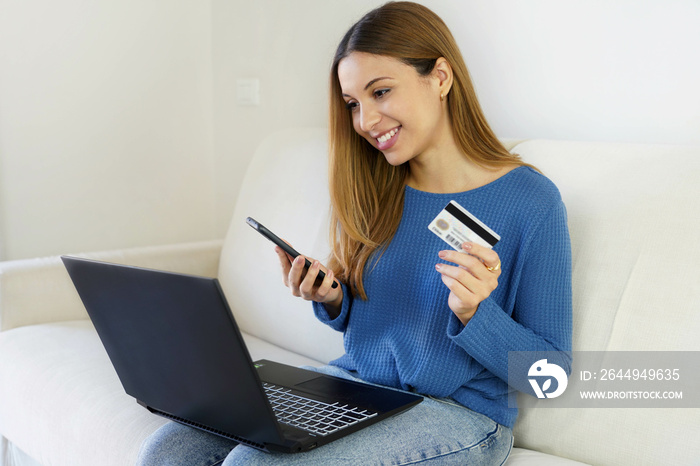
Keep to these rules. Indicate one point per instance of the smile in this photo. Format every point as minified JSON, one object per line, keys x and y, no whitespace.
{"x":388,"y":139}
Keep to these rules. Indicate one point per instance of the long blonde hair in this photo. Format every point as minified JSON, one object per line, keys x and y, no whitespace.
{"x":366,"y":191}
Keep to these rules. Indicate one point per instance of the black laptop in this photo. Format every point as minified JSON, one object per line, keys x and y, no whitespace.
{"x":176,"y":347}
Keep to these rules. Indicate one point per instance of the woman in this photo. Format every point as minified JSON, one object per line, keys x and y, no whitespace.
{"x":407,"y":137}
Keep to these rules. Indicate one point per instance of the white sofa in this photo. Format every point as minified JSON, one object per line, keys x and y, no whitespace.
{"x":633,"y":219}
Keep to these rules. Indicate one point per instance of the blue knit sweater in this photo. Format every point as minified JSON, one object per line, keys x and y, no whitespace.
{"x":405,"y":335}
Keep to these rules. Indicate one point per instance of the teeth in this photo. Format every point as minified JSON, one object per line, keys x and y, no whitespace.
{"x":387,"y":136}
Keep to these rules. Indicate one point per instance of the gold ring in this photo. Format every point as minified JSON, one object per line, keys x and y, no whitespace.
{"x":493,"y":269}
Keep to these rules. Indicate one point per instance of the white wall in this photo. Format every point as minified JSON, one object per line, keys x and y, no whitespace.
{"x":608,"y":70}
{"x":105,"y":125}
{"x":119,"y":124}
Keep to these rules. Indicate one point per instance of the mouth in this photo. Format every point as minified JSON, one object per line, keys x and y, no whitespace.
{"x":388,"y":139}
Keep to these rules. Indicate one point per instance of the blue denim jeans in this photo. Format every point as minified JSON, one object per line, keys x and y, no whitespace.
{"x":436,"y":431}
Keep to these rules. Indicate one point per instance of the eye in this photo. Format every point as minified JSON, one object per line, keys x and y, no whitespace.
{"x":351,"y":105}
{"x":379,"y":93}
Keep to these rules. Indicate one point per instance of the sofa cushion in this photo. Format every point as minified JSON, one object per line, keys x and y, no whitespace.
{"x":68,"y":397}
{"x":68,"y":402}
{"x":523,"y":457}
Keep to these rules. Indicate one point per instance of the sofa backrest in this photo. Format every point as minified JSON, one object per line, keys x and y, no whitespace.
{"x":286,"y":189}
{"x":633,"y":220}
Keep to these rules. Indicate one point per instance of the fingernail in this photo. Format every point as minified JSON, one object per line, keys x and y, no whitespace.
{"x":299,"y":260}
{"x":438,"y":267}
{"x":467,"y":246}
{"x":317,"y":264}
{"x":442,"y":254}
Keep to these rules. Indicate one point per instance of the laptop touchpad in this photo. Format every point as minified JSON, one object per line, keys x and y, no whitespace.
{"x":337,"y":388}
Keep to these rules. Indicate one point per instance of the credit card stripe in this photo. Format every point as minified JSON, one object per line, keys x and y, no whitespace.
{"x":471,"y":224}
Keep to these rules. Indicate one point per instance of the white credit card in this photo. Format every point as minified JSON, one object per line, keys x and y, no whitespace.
{"x":455,"y":225}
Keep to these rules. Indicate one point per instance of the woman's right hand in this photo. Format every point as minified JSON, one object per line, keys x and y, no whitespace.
{"x":303,"y":283}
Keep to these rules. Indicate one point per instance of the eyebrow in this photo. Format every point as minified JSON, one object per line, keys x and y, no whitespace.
{"x":371,"y":82}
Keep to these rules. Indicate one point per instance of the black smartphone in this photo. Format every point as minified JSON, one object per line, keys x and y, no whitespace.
{"x":285,"y":247}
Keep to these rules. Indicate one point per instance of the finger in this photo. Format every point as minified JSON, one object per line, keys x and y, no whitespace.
{"x":467,"y":262}
{"x":480,"y":283}
{"x":325,"y":287}
{"x":467,"y":298}
{"x":487,"y":255}
{"x":291,"y":258}
{"x":306,"y":288}
{"x":296,"y":275}
{"x":285,"y":263}
{"x":458,"y":276}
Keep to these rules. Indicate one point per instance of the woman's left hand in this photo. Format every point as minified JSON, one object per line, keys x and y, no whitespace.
{"x":472,"y":280}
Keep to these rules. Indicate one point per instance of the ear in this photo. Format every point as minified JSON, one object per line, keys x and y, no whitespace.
{"x":442,"y":71}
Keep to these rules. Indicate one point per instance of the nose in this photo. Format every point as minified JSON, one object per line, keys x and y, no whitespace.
{"x":369,"y":117}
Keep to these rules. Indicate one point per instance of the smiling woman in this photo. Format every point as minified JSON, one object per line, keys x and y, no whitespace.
{"x":407,"y":138}
{"x":399,"y":92}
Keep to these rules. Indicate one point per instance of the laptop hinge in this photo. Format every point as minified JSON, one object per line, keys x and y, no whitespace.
{"x":241,"y":440}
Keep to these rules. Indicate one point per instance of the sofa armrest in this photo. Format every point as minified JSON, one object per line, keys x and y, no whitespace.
{"x":39,"y":290}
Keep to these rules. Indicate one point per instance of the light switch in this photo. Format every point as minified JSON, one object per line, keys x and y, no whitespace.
{"x":248,"y":92}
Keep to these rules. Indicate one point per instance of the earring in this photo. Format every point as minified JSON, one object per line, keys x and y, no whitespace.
{"x":442,"y":97}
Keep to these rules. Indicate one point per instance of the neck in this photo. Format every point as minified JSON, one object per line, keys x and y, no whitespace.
{"x":439,"y":168}
{"x":449,"y":171}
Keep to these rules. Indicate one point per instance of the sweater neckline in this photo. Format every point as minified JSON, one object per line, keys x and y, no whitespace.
{"x":490,"y":185}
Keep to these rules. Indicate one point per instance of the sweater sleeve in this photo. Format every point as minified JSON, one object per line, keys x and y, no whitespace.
{"x":542,"y":314}
{"x":340,"y":323}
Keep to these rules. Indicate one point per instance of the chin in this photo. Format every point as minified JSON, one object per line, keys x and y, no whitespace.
{"x":395,"y":159}
{"x":395,"y":163}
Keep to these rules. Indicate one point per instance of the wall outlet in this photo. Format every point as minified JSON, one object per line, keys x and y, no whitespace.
{"x":248,"y":92}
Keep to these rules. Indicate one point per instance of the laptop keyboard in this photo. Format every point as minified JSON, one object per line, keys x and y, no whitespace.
{"x":310,"y":415}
